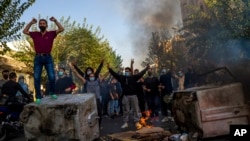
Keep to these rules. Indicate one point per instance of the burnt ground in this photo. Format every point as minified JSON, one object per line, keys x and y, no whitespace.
{"x":112,"y":126}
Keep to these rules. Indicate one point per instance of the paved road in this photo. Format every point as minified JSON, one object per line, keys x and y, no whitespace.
{"x":112,"y":126}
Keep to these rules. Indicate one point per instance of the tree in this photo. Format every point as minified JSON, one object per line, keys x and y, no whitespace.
{"x":225,"y":22}
{"x":86,"y":44}
{"x":222,"y":37}
{"x":166,"y":50}
{"x":82,"y":42}
{"x":10,"y":13}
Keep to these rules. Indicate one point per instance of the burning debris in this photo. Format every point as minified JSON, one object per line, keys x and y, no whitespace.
{"x":144,"y":121}
{"x":199,"y":112}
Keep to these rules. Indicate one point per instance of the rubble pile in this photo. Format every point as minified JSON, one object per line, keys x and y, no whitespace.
{"x":70,"y":117}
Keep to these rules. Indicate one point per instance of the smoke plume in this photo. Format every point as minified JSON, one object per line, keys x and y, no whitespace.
{"x":147,"y":16}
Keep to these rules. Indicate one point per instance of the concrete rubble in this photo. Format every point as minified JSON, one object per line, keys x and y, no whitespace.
{"x":70,"y":117}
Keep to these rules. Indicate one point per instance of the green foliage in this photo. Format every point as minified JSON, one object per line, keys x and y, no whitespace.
{"x":221,"y":32}
{"x":215,"y":35}
{"x":88,"y":47}
{"x":10,"y":13}
{"x":166,"y":51}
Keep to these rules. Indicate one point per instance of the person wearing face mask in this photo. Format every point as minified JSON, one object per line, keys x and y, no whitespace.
{"x":129,"y":99}
{"x":150,"y":88}
{"x":64,"y":84}
{"x":43,"y":42}
{"x":5,"y":74}
{"x":10,"y":88}
{"x":166,"y":89}
{"x":181,"y":79}
{"x":92,"y":86}
{"x":88,"y":71}
{"x":24,"y":85}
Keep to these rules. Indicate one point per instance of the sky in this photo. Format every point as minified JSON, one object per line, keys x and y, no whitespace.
{"x":118,"y":19}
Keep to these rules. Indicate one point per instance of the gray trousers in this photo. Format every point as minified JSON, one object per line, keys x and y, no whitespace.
{"x":131,"y":101}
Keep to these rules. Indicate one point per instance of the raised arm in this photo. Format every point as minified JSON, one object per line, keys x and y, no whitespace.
{"x":140,"y":74}
{"x":77,"y":74}
{"x":113,"y":73}
{"x":27,"y":27}
{"x":78,"y":70}
{"x":99,"y":69}
{"x":59,"y":26}
{"x":132,"y":66}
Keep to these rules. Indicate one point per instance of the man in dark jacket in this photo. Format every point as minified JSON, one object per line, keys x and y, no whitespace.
{"x":140,"y":92}
{"x":5,"y":74}
{"x":152,"y":96}
{"x":166,"y":88}
{"x":128,"y":83}
{"x":64,"y":84}
{"x":10,"y":89}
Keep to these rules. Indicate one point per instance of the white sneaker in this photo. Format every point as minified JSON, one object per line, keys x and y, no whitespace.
{"x":165,"y":119}
{"x":125,"y":125}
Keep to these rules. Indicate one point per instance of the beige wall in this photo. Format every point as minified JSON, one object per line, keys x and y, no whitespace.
{"x":13,"y":65}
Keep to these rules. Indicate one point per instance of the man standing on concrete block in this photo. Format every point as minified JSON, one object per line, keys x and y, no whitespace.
{"x":43,"y":43}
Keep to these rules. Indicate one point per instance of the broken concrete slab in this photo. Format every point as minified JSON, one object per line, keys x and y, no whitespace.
{"x":70,"y":117}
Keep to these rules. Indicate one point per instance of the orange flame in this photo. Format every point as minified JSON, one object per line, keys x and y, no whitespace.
{"x":143,"y":120}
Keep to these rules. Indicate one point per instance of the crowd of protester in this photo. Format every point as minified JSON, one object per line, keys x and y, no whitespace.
{"x":131,"y":92}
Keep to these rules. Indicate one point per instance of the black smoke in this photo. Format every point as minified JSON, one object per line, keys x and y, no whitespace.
{"x":147,"y":16}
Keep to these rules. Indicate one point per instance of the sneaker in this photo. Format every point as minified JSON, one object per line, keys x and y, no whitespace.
{"x":38,"y":101}
{"x":125,"y":125}
{"x":165,"y":119}
{"x":53,"y":96}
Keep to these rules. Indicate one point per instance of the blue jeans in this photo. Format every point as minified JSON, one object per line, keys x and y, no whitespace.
{"x":114,"y":107}
{"x":47,"y":62}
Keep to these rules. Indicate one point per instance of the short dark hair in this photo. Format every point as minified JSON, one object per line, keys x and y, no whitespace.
{"x":136,"y":70}
{"x":128,"y":68}
{"x":44,"y":21}
{"x":62,"y":68}
{"x":12,"y":75}
{"x":5,"y":71}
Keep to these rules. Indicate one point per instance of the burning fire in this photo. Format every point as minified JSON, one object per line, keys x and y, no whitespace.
{"x":144,"y":120}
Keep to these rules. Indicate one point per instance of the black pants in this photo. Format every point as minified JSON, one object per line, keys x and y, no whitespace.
{"x":154,"y":105}
{"x":105,"y":101}
{"x":141,"y":101}
{"x":165,"y":106}
{"x":99,"y":111}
